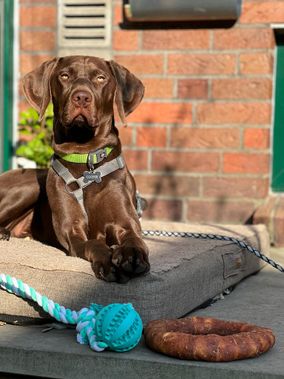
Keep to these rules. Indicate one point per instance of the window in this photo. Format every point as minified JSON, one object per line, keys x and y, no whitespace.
{"x":84,"y":27}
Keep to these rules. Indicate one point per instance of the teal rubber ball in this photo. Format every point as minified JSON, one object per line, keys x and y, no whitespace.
{"x":118,"y":327}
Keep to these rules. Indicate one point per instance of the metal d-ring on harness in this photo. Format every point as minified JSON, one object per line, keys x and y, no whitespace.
{"x":242,"y":244}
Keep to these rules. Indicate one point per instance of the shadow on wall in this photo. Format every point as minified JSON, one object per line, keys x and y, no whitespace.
{"x":167,"y":183}
{"x":177,"y":168}
{"x":167,"y":180}
{"x":171,"y":183}
{"x":224,"y":211}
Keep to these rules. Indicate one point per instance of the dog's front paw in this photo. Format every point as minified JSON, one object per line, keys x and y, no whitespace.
{"x":131,"y":261}
{"x":4,"y":234}
{"x":118,"y":263}
{"x":108,"y":272}
{"x":104,"y":272}
{"x":103,"y":267}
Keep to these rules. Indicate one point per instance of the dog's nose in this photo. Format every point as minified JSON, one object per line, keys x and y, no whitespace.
{"x":81,"y":98}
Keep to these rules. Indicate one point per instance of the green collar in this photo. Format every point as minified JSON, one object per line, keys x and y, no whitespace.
{"x":92,"y":158}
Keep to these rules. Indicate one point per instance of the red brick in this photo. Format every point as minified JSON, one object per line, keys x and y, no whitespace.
{"x":175,"y":39}
{"x":136,"y":160}
{"x":167,"y":185}
{"x":38,"y":16}
{"x":234,"y":113}
{"x":151,"y":137}
{"x":223,"y":211}
{"x":236,"y":38}
{"x":125,"y":40}
{"x":246,"y":163}
{"x":262,"y":11}
{"x":201,"y":64}
{"x":164,"y":210}
{"x":23,"y":105}
{"x":256,"y":63}
{"x":158,"y":88}
{"x":125,"y":135}
{"x":20,"y":89}
{"x":37,"y":40}
{"x":185,"y":161}
{"x":256,"y":138}
{"x":242,"y":88}
{"x":162,"y":113}
{"x":235,"y":187}
{"x":29,"y":62}
{"x":142,"y":64}
{"x":205,"y":137}
{"x":193,"y":88}
{"x":117,"y":14}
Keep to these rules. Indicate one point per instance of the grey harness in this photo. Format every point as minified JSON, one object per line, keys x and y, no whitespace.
{"x":89,"y":177}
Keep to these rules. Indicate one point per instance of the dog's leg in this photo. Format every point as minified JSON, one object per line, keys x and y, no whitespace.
{"x":122,"y":232}
{"x":110,"y":238}
{"x":19,"y":191}
{"x":72,"y":230}
{"x":72,"y":234}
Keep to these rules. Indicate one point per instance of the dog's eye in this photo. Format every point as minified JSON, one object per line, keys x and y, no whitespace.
{"x":64,"y":76}
{"x":100,"y":78}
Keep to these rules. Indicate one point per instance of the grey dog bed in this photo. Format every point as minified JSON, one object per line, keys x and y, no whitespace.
{"x":184,"y":273}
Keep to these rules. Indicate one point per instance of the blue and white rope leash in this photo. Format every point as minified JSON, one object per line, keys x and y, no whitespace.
{"x":242,"y":244}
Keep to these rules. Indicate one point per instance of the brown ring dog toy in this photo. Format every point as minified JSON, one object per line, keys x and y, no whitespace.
{"x":208,"y":339}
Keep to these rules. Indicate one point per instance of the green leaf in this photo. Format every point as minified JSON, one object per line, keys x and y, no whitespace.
{"x":38,"y":147}
{"x":49,"y":111}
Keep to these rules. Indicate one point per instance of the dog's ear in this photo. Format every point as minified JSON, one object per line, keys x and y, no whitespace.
{"x":36,"y":86}
{"x":129,"y":90}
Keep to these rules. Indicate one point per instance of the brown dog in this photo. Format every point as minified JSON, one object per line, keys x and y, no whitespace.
{"x":86,"y":202}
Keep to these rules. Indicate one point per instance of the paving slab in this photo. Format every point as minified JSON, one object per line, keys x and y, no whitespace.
{"x":55,"y":354}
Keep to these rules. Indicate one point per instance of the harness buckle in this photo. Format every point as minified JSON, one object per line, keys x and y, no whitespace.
{"x":71,"y":191}
{"x":100,"y":155}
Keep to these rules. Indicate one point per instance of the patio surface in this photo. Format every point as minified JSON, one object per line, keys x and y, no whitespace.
{"x":55,"y":354}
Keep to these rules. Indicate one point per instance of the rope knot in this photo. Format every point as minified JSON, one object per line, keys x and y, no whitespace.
{"x":86,"y":327}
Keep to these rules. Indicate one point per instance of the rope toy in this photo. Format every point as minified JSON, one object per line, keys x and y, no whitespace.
{"x":116,"y":327}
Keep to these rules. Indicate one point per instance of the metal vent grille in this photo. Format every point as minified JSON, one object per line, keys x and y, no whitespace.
{"x":84,"y":24}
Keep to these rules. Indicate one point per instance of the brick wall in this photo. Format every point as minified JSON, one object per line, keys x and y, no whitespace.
{"x":199,"y":144}
{"x":38,"y":23}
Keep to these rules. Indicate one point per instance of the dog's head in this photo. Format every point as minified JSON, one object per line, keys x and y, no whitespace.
{"x":84,"y":90}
